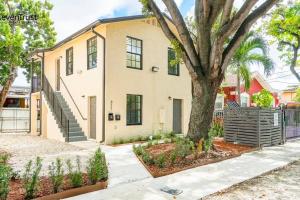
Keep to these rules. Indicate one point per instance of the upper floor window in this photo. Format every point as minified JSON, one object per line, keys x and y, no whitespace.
{"x":134,"y":53}
{"x":134,"y":109}
{"x":69,"y":61}
{"x":173,"y":69}
{"x":92,"y":53}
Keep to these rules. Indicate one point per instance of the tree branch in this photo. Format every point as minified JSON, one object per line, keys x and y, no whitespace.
{"x":194,"y":71}
{"x":243,"y":29}
{"x":226,"y":12}
{"x":183,"y":31}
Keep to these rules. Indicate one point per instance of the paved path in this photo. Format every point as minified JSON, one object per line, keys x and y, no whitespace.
{"x":202,"y":181}
{"x":123,"y":165}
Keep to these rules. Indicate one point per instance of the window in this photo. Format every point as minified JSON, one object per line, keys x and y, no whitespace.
{"x":92,"y":53}
{"x":69,"y":61}
{"x":134,"y":109}
{"x":219,"y":104}
{"x":245,"y":100}
{"x":134,"y":49}
{"x":172,"y":69}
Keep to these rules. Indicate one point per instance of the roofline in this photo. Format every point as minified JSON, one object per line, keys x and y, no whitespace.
{"x":93,"y":25}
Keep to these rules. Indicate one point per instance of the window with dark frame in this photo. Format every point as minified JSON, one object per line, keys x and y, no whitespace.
{"x":134,"y":48}
{"x":134,"y":109}
{"x":92,"y":53}
{"x":69,"y":61}
{"x":172,"y":69}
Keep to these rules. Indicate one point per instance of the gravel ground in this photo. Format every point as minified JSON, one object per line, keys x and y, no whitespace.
{"x":282,"y":184}
{"x":23,"y":148}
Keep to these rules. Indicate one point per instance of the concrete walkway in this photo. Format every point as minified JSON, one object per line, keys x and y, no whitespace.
{"x":202,"y":181}
{"x":123,"y":165}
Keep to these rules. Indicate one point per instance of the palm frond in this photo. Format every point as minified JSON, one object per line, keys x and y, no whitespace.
{"x":245,"y":75}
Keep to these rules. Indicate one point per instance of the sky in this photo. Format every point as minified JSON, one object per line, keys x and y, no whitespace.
{"x":71,"y":15}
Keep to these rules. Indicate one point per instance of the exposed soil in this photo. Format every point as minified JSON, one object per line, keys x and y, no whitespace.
{"x":17,"y":191}
{"x":222,"y":151}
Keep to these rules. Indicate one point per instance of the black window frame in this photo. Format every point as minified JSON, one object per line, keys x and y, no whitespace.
{"x":88,"y":45}
{"x":68,"y":61}
{"x":135,"y":54}
{"x":171,"y":72}
{"x":131,"y":122}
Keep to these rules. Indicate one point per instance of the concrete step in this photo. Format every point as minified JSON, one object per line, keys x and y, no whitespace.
{"x":76,"y":133}
{"x":77,"y":139}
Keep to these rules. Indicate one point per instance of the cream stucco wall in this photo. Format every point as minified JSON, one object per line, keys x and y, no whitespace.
{"x":83,"y":83}
{"x":157,"y":88}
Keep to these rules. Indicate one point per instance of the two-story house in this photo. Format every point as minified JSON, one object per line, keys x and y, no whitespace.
{"x":112,"y":79}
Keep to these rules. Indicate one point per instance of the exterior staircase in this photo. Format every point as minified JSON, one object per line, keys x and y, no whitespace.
{"x":63,"y":115}
{"x":75,"y":131}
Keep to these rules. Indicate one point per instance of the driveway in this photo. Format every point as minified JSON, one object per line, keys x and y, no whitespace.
{"x":123,"y":165}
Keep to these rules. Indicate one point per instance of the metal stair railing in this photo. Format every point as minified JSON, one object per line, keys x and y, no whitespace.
{"x":54,"y":103}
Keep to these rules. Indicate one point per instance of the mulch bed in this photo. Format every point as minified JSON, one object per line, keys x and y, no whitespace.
{"x":223,"y":151}
{"x":45,"y":187}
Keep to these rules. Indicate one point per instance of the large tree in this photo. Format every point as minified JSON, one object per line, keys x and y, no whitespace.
{"x":285,"y":28}
{"x":24,"y":27}
{"x":253,"y":50}
{"x":208,"y":57}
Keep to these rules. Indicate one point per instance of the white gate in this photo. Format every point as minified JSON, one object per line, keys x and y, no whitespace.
{"x":14,"y":120}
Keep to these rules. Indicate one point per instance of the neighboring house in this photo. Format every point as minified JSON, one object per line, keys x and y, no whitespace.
{"x":18,"y":97}
{"x":110,"y":80}
{"x":288,"y":95}
{"x":229,"y":91}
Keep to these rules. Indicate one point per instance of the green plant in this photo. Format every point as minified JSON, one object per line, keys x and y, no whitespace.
{"x":155,"y":142}
{"x":139,"y":138}
{"x":184,"y":147}
{"x":216,"y":130}
{"x":97,"y":168}
{"x":75,"y":176}
{"x":31,"y":178}
{"x":160,"y":161}
{"x":263,"y":98}
{"x":173,"y":156}
{"x":4,"y":158}
{"x":121,"y":141}
{"x":208,"y":143}
{"x":115,"y":141}
{"x":56,"y":174}
{"x":5,"y":176}
{"x":138,"y":150}
{"x":147,"y":158}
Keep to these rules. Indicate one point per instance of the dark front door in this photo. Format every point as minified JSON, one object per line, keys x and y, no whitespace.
{"x":292,"y":123}
{"x":57,"y":79}
{"x":177,"y":115}
{"x":92,"y":117}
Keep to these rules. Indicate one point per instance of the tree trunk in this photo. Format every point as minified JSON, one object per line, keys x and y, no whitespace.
{"x":204,"y":96}
{"x":238,"y":87}
{"x":7,"y":86}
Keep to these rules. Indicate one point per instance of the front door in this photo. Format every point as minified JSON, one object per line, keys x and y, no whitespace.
{"x":57,"y":79}
{"x":92,"y":117}
{"x":177,"y":115}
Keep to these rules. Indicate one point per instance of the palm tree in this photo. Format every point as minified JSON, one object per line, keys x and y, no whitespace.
{"x":253,"y":50}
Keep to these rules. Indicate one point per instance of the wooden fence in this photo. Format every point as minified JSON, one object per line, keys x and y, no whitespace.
{"x":253,"y":126}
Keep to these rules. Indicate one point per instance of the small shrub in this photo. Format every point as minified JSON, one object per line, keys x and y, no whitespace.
{"x":216,"y":129}
{"x":121,"y":141}
{"x":56,"y":174}
{"x":138,"y":150}
{"x":167,"y":140}
{"x":155,"y":142}
{"x":149,"y":144}
{"x":184,"y":147}
{"x":75,"y":176}
{"x":132,"y":139}
{"x":97,"y":168}
{"x":31,"y":178}
{"x":5,"y":176}
{"x":145,"y":138}
{"x":157,"y":136}
{"x":147,"y":158}
{"x":4,"y":158}
{"x":208,"y":143}
{"x":173,"y":156}
{"x":139,"y":138}
{"x":115,"y":141}
{"x":160,"y":161}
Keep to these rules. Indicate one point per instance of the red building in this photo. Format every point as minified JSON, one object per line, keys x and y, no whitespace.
{"x":230,"y":94}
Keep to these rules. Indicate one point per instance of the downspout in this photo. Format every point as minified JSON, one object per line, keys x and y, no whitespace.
{"x":103,"y":89}
{"x":42,"y":82}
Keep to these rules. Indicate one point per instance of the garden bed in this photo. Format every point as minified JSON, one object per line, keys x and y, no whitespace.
{"x":162,"y":163}
{"x":46,"y":192}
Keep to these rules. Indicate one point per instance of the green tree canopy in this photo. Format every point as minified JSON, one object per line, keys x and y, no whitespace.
{"x":285,"y":29}
{"x":25,"y":26}
{"x":263,"y":99}
{"x":297,"y":98}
